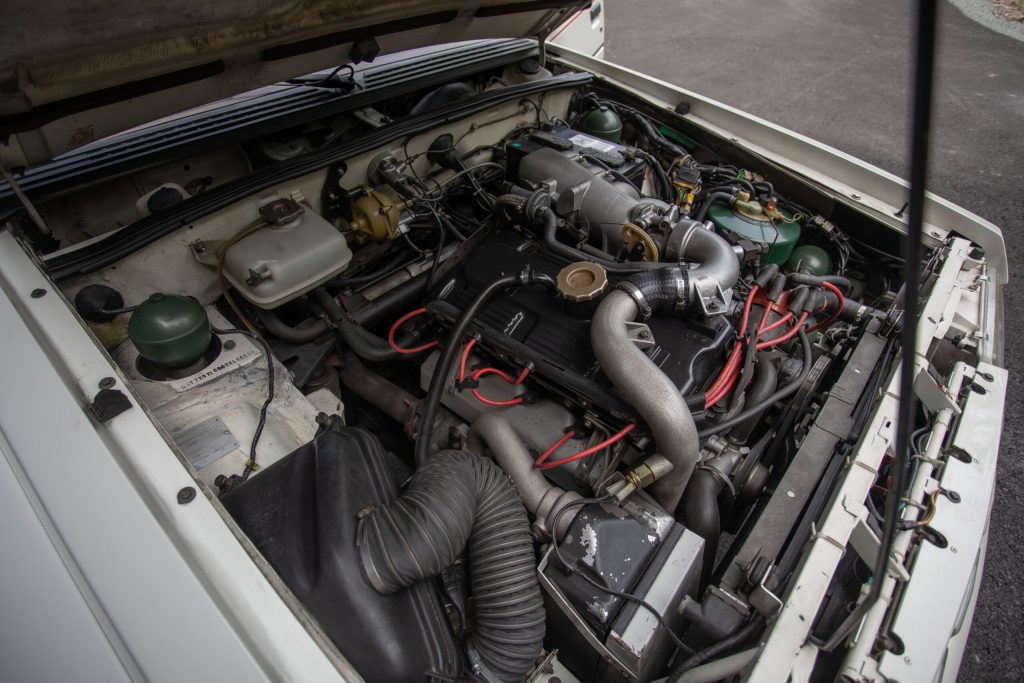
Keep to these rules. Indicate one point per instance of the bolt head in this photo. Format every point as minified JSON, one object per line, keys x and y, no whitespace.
{"x":229,"y":344}
{"x":107,"y":382}
{"x":186,"y":495}
{"x":38,"y":293}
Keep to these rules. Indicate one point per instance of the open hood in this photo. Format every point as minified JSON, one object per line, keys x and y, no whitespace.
{"x":71,"y":74}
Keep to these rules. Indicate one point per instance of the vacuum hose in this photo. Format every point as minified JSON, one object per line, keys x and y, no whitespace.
{"x":455,"y":501}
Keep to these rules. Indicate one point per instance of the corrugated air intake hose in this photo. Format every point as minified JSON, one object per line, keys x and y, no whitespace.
{"x":457,"y":500}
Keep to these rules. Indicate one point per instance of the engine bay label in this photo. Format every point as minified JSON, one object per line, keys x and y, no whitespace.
{"x":243,"y":353}
{"x":206,"y":442}
{"x":581,"y":140}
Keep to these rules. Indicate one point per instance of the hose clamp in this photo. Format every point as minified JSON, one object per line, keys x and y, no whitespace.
{"x":638,"y":297}
{"x":682,"y":289}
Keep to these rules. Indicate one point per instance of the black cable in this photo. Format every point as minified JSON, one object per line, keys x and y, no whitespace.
{"x":718,"y":648}
{"x":924,"y":63}
{"x":782,"y":393}
{"x":445,"y":363}
{"x":571,"y":568}
{"x":251,"y":462}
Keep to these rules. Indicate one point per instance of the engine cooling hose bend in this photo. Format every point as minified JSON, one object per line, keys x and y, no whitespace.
{"x":542,"y":499}
{"x":293,"y":335}
{"x":649,"y":390}
{"x":443,"y":369}
{"x":458,"y":501}
{"x":363,"y":343}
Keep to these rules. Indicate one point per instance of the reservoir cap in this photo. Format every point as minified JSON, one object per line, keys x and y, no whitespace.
{"x":170,"y":330}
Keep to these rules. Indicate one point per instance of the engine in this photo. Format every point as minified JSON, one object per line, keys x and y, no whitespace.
{"x":570,"y":361}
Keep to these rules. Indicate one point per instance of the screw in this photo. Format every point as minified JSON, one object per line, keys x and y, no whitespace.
{"x":855,"y":195}
{"x":107,"y":382}
{"x":713,"y":306}
{"x":38,"y":293}
{"x":186,"y":495}
{"x":907,"y":660}
{"x":322,"y":418}
{"x":644,"y":334}
{"x":952,"y":549}
{"x":229,"y":344}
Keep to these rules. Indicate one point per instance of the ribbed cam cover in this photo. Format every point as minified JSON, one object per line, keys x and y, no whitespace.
{"x":274,"y":265}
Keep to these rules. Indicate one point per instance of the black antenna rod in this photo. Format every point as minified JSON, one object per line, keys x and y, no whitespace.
{"x":921,"y":125}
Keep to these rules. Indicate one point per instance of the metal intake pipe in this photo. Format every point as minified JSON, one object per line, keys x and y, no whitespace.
{"x":650,"y":391}
{"x":542,"y":499}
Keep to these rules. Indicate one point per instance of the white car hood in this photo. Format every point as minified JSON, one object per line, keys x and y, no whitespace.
{"x":74,"y":73}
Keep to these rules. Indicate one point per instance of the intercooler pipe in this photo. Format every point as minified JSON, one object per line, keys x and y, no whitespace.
{"x":649,"y":390}
{"x":640,"y":380}
{"x":542,"y":499}
{"x":456,"y":501}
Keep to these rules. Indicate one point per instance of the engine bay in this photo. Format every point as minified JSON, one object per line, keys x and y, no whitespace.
{"x":556,"y":390}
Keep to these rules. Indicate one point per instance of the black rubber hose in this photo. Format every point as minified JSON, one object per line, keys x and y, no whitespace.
{"x":292,"y":335}
{"x":816,"y":280}
{"x":446,"y":362}
{"x":717,"y":649}
{"x":702,"y":212}
{"x":460,"y":501}
{"x":363,"y":343}
{"x":661,"y":289}
{"x":700,"y":510}
{"x":342,"y":281}
{"x":777,"y":396}
{"x":765,"y":382}
{"x":390,"y":305}
{"x":552,"y":243}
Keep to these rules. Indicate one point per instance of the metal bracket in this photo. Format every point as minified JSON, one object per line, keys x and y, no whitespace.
{"x":933,"y":395}
{"x":762,"y":599}
{"x":866,"y":544}
{"x":711,"y":297}
{"x":640,"y":334}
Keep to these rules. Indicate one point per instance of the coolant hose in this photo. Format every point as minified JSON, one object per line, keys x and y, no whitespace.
{"x":542,"y":499}
{"x":458,"y":501}
{"x":702,"y":515}
{"x":765,"y":382}
{"x":649,"y":390}
{"x":363,"y":343}
{"x":446,"y":362}
{"x":702,"y":212}
{"x":293,"y":335}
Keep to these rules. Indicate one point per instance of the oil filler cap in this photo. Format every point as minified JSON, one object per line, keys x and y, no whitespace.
{"x":582,"y":281}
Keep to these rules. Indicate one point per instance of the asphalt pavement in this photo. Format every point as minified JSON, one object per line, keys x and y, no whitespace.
{"x":839,"y":71}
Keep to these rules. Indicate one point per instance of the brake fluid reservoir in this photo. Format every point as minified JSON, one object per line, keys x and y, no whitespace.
{"x":774,"y":228}
{"x":296,"y":251}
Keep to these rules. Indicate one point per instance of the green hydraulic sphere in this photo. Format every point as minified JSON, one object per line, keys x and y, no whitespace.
{"x":779,"y":236}
{"x":810,"y":259}
{"x":170,"y":330}
{"x":603,"y":123}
